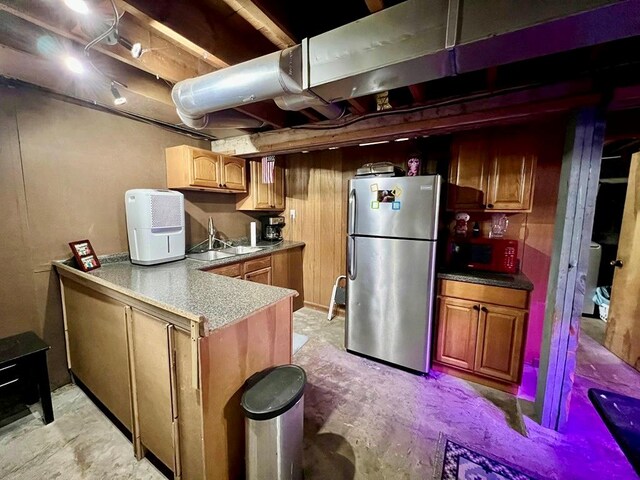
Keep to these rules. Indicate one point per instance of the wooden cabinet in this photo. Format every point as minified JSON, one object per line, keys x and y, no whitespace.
{"x":286,"y":266}
{"x":190,"y":168}
{"x":263,"y":196}
{"x":492,"y":172}
{"x":153,"y":379}
{"x":255,"y":270}
{"x":457,"y":332}
{"x":500,"y":340}
{"x":97,"y":347}
{"x":481,"y":332}
{"x":172,"y":383}
{"x":281,"y":269}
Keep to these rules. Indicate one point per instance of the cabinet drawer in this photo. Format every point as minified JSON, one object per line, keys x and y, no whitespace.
{"x":484,"y":293}
{"x":9,"y":373}
{"x":257,"y":264}
{"x":232,"y":270}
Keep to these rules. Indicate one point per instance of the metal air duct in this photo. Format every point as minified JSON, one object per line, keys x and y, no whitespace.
{"x":409,"y":43}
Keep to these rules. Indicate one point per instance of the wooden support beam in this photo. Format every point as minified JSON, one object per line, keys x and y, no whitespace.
{"x":218,"y":38}
{"x":266,"y":111}
{"x":358,"y":105}
{"x":171,"y":64}
{"x":253,"y":14}
{"x":505,"y":108}
{"x":171,"y":35}
{"x":572,"y":237}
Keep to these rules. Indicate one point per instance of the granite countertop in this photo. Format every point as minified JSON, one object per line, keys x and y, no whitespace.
{"x":183,"y":288}
{"x":518,"y":281}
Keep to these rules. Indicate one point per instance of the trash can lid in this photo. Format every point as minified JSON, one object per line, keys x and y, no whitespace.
{"x":273,"y":391}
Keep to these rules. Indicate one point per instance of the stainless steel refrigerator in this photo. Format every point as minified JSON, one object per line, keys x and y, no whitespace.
{"x":391,"y":249}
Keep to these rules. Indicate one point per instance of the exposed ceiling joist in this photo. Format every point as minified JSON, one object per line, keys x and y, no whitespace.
{"x":504,"y":108}
{"x":172,"y":35}
{"x":163,"y":65}
{"x":253,"y":14}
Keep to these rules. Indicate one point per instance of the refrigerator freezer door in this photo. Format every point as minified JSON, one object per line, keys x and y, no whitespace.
{"x":389,"y":290}
{"x":400,"y":207}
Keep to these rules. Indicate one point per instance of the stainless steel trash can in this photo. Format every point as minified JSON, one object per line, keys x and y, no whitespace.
{"x":273,"y":404}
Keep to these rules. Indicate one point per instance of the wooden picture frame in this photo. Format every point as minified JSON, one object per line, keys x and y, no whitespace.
{"x":85,"y":255}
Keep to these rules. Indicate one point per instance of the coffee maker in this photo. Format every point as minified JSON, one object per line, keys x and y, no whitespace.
{"x":272,"y":228}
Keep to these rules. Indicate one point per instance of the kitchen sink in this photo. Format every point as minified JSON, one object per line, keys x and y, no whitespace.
{"x":240,"y":249}
{"x":210,"y":255}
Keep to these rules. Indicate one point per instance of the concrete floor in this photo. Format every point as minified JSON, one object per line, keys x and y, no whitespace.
{"x":363,"y":420}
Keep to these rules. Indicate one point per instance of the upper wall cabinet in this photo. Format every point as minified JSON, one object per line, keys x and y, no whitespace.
{"x":492,"y":172}
{"x":263,"y":196}
{"x":190,"y":168}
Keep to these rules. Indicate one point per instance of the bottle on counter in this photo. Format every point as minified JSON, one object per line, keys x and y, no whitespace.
{"x":475,"y":232}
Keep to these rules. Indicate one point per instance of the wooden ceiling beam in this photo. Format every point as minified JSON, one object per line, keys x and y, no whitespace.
{"x":172,"y":36}
{"x":262,"y":22}
{"x":164,"y":65}
{"x":499,"y":109}
{"x":225,"y":42}
{"x":358,"y":105}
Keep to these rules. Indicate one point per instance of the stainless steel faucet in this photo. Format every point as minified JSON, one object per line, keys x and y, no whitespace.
{"x":212,"y":234}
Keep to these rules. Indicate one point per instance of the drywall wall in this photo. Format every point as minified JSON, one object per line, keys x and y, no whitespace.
{"x":64,"y":169}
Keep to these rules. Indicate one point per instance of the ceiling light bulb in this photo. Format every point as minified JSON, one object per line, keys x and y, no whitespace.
{"x":136,"y":50}
{"x":74,"y":65}
{"x":117,"y":98}
{"x":79,"y":6}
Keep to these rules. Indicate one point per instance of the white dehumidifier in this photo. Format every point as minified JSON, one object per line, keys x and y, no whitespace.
{"x":155,"y":225}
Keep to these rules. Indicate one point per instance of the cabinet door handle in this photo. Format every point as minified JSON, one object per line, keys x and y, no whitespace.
{"x":490,"y":205}
{"x":485,"y":309}
{"x":476,"y":307}
{"x":224,"y":185}
{"x":219,"y":185}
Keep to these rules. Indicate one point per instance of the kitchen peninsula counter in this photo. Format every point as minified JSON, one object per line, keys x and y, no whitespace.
{"x":183,"y":288}
{"x":167,"y":349}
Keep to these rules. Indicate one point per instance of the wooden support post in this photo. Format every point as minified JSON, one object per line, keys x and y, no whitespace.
{"x":572,"y":236}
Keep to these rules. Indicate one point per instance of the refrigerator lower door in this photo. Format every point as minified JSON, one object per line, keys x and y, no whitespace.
{"x":389,"y":298}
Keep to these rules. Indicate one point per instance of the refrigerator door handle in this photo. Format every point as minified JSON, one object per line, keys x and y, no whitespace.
{"x":351,"y":258}
{"x":352,"y":212}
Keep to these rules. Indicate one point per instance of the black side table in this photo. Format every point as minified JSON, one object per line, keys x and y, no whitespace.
{"x":23,"y":366}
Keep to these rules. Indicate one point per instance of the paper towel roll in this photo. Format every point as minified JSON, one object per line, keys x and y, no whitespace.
{"x":253,"y":234}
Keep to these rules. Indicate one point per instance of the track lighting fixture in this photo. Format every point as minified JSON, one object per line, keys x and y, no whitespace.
{"x":79,"y":6}
{"x":117,"y":98}
{"x":134,"y":48}
{"x":74,"y":64}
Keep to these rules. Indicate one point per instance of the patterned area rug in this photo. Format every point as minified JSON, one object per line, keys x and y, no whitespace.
{"x":457,"y":462}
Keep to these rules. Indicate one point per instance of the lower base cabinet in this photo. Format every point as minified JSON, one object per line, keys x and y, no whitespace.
{"x":481,"y":333}
{"x":175,"y":389}
{"x":281,"y":269}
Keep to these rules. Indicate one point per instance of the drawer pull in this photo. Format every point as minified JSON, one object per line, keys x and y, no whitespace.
{"x":485,"y":309}
{"x":476,"y":307}
{"x":8,"y":367}
{"x":9,"y":382}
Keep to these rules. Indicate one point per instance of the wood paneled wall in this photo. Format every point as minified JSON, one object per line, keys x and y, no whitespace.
{"x":317,"y":191}
{"x":316,"y":188}
{"x":64,"y":169}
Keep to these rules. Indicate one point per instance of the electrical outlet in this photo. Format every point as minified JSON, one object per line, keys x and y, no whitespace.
{"x":292,"y":214}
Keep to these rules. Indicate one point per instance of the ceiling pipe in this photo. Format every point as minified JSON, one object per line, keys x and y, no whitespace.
{"x":306,"y":100}
{"x":222,"y":119}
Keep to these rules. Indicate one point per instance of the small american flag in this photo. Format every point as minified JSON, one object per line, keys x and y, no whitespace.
{"x":268,"y":168}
